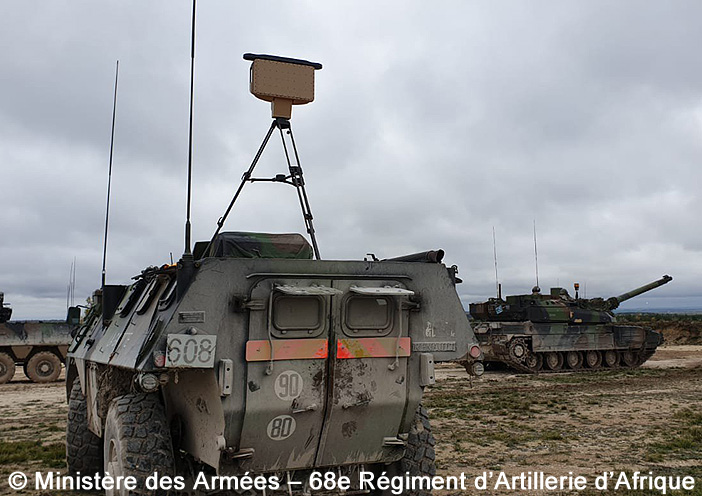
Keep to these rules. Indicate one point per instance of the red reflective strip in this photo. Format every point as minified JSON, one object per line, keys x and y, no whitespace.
{"x":287,"y":349}
{"x":373,"y":347}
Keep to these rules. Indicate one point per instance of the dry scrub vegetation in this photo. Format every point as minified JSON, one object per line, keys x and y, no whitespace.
{"x":645,"y":419}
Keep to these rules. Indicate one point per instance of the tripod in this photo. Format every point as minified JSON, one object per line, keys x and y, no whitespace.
{"x":294,"y":178}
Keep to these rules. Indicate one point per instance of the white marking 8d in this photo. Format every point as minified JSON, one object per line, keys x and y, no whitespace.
{"x":288,"y":385}
{"x":281,"y":427}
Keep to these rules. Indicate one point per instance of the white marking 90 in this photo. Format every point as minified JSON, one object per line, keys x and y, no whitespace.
{"x":288,"y":385}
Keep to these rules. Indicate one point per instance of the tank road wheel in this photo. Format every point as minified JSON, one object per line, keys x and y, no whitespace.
{"x":137,"y":441}
{"x":611,"y":358}
{"x":534,"y":361}
{"x":419,"y":457}
{"x":554,"y":360}
{"x":629,"y":358}
{"x":574,"y":359}
{"x":593,"y":359}
{"x":44,"y":366}
{"x":7,"y":368}
{"x":83,"y":448}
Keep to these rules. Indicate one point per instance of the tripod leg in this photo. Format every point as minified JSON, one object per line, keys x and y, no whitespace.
{"x":244,"y":178}
{"x":299,"y":183}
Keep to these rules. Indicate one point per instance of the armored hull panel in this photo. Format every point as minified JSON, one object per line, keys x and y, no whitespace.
{"x":280,"y":364}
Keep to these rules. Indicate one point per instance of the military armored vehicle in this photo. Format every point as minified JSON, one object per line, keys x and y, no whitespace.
{"x":555,"y":332}
{"x":5,"y":309}
{"x":39,"y":346}
{"x":254,"y":357}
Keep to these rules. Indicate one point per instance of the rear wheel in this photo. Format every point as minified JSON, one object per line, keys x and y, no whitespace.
{"x":419,"y":457}
{"x":7,"y":368}
{"x":629,"y":358}
{"x":83,"y":448}
{"x":137,"y":441}
{"x":44,"y":366}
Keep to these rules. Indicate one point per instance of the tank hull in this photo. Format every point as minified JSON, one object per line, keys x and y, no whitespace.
{"x":559,"y":347}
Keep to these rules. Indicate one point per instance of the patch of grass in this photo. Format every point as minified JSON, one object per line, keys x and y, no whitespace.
{"x":601,"y":375}
{"x":552,"y":436}
{"x":684,"y":439}
{"x":22,"y":452}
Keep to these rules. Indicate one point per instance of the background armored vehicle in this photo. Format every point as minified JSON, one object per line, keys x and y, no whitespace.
{"x":39,"y":346}
{"x":5,"y":310}
{"x":252,"y":357}
{"x":553,"y":332}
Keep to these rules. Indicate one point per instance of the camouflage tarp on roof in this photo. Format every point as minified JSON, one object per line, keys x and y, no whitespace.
{"x":261,"y":245}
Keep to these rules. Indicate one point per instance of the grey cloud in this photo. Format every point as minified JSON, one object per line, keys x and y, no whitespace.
{"x":432,"y":124}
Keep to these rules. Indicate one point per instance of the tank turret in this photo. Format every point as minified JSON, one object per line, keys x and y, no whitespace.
{"x":530,"y":330}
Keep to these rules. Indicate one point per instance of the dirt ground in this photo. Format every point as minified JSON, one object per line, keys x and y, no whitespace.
{"x":649,"y":419}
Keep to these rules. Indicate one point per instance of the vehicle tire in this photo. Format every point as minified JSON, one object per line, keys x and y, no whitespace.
{"x":593,"y":359}
{"x":137,"y":441}
{"x":7,"y":368}
{"x":629,"y":358}
{"x":534,"y":361}
{"x":554,"y":360}
{"x":419,"y":458}
{"x":83,"y":448}
{"x":574,"y":359}
{"x":611,"y":358}
{"x":44,"y":366}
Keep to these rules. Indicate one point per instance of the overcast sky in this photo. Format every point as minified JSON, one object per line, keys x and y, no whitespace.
{"x":434,"y":122}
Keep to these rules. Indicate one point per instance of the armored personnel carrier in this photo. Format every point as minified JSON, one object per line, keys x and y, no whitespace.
{"x":39,"y":346}
{"x":554,"y":332}
{"x":254,"y":357}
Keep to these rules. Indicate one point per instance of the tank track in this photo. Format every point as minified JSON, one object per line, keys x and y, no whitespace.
{"x":521,"y":364}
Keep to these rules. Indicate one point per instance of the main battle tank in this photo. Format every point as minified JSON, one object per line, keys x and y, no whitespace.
{"x":555,"y":331}
{"x":252,"y":356}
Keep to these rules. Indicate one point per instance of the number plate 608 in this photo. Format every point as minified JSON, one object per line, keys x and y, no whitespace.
{"x":195,"y":351}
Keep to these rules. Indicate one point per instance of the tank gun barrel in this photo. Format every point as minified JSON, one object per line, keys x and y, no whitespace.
{"x":635,"y":292}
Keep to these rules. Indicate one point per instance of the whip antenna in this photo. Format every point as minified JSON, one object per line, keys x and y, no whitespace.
{"x":109,"y":175}
{"x":190,"y":133}
{"x":494,"y":256}
{"x":536,"y":256}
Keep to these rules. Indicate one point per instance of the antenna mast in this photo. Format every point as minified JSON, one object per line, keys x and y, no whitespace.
{"x":494,"y":256}
{"x":536,"y":256}
{"x":190,"y":133}
{"x":109,"y":176}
